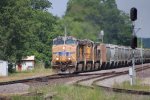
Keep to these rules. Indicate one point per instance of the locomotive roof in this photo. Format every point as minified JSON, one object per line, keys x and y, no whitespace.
{"x":85,"y":42}
{"x":63,"y":37}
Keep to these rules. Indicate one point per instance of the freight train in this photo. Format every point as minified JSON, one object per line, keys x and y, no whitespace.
{"x":71,"y":55}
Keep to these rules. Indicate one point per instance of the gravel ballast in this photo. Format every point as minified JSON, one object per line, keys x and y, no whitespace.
{"x":13,"y":89}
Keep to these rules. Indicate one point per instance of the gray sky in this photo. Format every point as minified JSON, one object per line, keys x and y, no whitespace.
{"x":58,"y":7}
{"x":143,"y":22}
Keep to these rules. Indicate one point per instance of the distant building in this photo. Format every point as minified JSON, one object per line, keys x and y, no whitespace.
{"x":27,"y":63}
{"x":3,"y":68}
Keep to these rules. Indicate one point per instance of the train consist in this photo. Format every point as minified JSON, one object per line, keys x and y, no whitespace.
{"x":72,"y":55}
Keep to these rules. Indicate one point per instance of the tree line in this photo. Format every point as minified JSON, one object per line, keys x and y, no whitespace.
{"x":27,"y":28}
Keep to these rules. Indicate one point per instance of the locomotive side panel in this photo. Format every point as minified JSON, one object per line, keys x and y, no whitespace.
{"x":89,"y":55}
{"x":97,"y":53}
{"x":103,"y":53}
{"x":80,"y":55}
{"x":85,"y":55}
{"x":97,"y":57}
{"x":88,"y":52}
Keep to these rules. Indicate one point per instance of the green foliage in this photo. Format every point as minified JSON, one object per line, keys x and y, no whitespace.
{"x":26,"y":28}
{"x":91,"y":16}
{"x":40,"y":4}
{"x":80,"y":30}
{"x":11,"y":68}
{"x":27,"y":97}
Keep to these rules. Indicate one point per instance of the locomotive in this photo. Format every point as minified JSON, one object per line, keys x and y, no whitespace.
{"x":71,"y":55}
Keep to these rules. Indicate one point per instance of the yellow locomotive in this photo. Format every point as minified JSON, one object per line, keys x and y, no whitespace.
{"x":64,"y":54}
{"x":70,"y":55}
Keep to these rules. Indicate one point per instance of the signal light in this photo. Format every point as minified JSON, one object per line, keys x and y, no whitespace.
{"x":134,"y":42}
{"x":133,"y":14}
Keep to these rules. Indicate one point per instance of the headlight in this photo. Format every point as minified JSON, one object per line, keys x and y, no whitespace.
{"x":69,"y":58}
{"x":63,"y":48}
{"x":57,"y":58}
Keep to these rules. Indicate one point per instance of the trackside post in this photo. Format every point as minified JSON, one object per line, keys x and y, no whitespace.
{"x":132,"y":73}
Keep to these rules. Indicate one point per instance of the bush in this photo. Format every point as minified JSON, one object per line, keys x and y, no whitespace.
{"x":11,"y":68}
{"x":47,"y":64}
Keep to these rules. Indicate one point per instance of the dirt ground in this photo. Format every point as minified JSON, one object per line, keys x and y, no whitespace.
{"x":144,"y":76}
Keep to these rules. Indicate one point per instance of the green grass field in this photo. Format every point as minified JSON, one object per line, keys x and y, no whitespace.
{"x":138,"y":86}
{"x":70,"y":92}
{"x":39,"y":71}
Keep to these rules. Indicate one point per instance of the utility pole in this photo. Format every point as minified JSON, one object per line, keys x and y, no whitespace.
{"x":132,"y":72}
{"x":65,"y":32}
{"x":142,"y":54}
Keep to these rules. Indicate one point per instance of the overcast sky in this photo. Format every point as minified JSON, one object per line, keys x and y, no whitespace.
{"x":143,"y":7}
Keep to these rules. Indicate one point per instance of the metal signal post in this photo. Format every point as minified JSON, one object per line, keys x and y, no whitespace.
{"x":132,"y":73}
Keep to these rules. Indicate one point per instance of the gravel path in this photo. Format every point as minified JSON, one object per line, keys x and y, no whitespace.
{"x":111,"y":81}
{"x":144,"y":75}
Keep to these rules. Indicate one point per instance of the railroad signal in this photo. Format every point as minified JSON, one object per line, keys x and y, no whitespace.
{"x":133,"y":17}
{"x":133,"y":14}
{"x":134,"y":42}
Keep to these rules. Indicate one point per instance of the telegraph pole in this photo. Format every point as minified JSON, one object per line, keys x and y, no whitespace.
{"x":102,"y":34}
{"x":142,"y":54}
{"x":65,"y":32}
{"x":132,"y":72}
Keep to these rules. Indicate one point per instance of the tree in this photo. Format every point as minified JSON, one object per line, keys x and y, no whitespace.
{"x":101,"y":15}
{"x":40,"y":4}
{"x":26,"y":28}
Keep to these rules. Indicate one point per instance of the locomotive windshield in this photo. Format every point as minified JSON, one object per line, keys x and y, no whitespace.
{"x":70,"y":41}
{"x":64,"y":40}
{"x":58,"y":42}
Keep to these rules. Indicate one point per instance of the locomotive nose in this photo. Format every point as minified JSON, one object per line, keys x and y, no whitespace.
{"x":63,"y":68}
{"x":64,"y":56}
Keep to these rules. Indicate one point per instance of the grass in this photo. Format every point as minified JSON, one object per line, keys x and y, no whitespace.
{"x":70,"y":92}
{"x":138,"y":86}
{"x":26,"y":98}
{"x":38,"y":71}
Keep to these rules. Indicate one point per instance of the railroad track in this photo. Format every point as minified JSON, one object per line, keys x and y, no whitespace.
{"x":61,"y":76}
{"x":98,"y":76}
{"x":41,"y":81}
{"x":95,"y":79}
{"x":51,"y":77}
